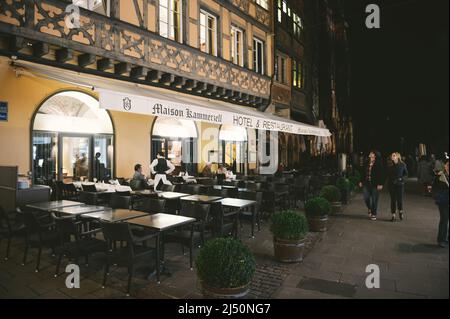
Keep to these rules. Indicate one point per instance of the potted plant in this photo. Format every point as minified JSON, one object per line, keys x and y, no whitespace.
{"x":225,"y":268}
{"x":354,"y":180}
{"x":333,"y":195}
{"x":344,"y":186}
{"x":317,"y":210}
{"x":289,"y":230}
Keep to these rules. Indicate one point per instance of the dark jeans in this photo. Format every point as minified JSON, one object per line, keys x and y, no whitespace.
{"x":396,"y":192}
{"x":370,"y":193}
{"x":443,"y":223}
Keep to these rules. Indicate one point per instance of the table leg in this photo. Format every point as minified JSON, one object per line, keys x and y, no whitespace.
{"x":253,"y":221}
{"x":158,"y":260}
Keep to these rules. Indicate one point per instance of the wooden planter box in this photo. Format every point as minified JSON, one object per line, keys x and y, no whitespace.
{"x":224,"y":293}
{"x":318,"y":223}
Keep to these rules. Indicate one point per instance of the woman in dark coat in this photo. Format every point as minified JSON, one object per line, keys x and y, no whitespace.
{"x":396,"y":175}
{"x":440,"y":192}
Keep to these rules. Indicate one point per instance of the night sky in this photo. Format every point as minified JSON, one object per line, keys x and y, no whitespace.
{"x":400,"y":80}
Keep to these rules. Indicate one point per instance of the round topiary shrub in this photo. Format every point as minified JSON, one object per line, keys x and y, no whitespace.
{"x":331,"y":193}
{"x":289,"y":225}
{"x":317,"y":207}
{"x":343,"y":184}
{"x":225,"y":263}
{"x":354,"y":180}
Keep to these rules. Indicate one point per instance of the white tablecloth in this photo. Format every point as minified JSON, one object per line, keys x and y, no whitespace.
{"x":106,"y":188}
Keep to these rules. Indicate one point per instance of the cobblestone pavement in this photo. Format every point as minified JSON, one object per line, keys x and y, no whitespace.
{"x":411,"y":265}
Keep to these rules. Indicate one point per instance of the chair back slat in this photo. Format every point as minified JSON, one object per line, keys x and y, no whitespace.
{"x":155,"y":205}
{"x":118,"y":201}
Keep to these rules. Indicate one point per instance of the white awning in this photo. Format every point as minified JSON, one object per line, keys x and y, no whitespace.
{"x":136,"y":98}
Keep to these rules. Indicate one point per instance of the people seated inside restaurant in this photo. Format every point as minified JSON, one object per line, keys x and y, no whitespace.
{"x":207,"y":172}
{"x":222,"y":170}
{"x":183,"y":169}
{"x":139,"y":180}
{"x":138,"y":173}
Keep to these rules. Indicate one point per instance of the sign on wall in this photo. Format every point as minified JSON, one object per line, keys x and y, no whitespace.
{"x":3,"y":111}
{"x":244,"y":117}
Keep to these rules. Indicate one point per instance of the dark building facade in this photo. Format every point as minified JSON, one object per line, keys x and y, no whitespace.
{"x":312,"y":74}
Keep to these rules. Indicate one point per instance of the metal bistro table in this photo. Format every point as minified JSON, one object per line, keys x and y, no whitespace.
{"x":240,"y":189}
{"x":115,"y":215}
{"x":201,"y":198}
{"x":173,"y":200}
{"x":171,"y":195}
{"x":79,"y":210}
{"x":52,"y":205}
{"x":160,"y":223}
{"x":239,"y":205}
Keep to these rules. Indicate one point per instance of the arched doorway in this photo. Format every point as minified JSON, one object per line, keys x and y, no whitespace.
{"x":177,"y":138}
{"x":233,"y":147}
{"x":72,"y":139}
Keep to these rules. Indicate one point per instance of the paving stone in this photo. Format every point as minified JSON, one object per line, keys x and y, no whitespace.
{"x":411,"y":265}
{"x":365,"y":293}
{"x":53,"y":295}
{"x":327,"y":286}
{"x":297,"y":293}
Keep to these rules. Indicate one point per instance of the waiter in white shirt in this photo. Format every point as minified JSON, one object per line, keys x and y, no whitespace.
{"x":161,"y":167}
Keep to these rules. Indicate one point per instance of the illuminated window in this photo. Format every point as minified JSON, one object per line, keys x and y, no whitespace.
{"x":280,"y":69}
{"x":263,"y":3}
{"x":237,"y":48}
{"x":258,"y":56}
{"x":298,"y":74}
{"x":73,"y":139}
{"x":170,"y":19}
{"x":279,"y":10}
{"x":72,"y":112}
{"x":170,"y":127}
{"x":99,"y":6}
{"x":297,"y":26}
{"x":208,"y":33}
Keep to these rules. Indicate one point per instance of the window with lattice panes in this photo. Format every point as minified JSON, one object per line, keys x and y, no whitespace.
{"x":170,"y":19}
{"x":208,"y":32}
{"x":99,"y":6}
{"x":237,"y":46}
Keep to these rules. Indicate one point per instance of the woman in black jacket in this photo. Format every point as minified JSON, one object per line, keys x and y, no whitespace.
{"x":397,"y":174}
{"x":440,"y":191}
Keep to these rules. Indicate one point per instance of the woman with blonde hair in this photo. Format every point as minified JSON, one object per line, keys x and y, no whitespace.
{"x":396,"y":176}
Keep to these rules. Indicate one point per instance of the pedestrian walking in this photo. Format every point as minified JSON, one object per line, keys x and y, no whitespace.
{"x":425,"y":174}
{"x":396,"y":176}
{"x":161,"y":167}
{"x":440,"y":193}
{"x":372,"y":183}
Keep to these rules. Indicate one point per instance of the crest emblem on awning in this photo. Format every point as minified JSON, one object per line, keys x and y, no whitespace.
{"x":127,"y":104}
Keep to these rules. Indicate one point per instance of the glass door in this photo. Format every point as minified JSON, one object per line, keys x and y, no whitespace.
{"x":75,"y":158}
{"x":233,"y":155}
{"x":45,"y":154}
